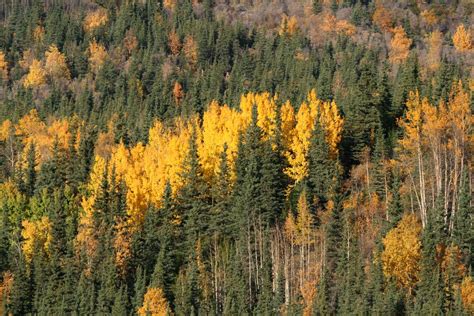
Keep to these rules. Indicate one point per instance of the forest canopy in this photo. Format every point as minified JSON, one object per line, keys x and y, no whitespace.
{"x":185,"y":157}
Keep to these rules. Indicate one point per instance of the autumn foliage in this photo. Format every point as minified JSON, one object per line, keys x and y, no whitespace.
{"x":402,"y":252}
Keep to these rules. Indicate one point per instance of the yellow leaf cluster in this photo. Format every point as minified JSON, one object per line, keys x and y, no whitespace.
{"x":304,"y":222}
{"x":165,"y":155}
{"x":38,"y":34}
{"x":462,"y":39}
{"x":400,"y":45}
{"x":220,"y":125}
{"x":288,"y":25}
{"x":434,"y":43}
{"x":31,"y":129}
{"x":35,"y":234}
{"x":130,"y":167}
{"x":266,"y":112}
{"x":97,"y":55}
{"x":122,"y":246}
{"x":36,"y":75}
{"x":169,"y":4}
{"x":424,"y":123}
{"x":467,"y":294}
{"x":3,"y":67}
{"x":401,"y":254}
{"x":345,"y":27}
{"x":382,"y":18}
{"x":95,"y":19}
{"x":154,"y":303}
{"x":55,"y":64}
{"x":429,"y":17}
{"x":326,"y":114}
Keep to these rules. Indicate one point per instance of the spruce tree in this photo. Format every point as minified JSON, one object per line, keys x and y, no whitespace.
{"x":30,"y":172}
{"x":322,"y":171}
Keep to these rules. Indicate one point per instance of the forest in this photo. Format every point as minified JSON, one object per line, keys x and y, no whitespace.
{"x":236,"y":157}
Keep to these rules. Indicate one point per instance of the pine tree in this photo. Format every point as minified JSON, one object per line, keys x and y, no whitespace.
{"x":323,"y":173}
{"x":430,"y":292}
{"x":462,"y":233}
{"x":52,"y":172}
{"x":193,"y":197}
{"x":395,"y":209}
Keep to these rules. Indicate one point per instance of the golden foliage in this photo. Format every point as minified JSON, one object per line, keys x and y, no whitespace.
{"x":266,"y":112}
{"x":328,"y":116}
{"x":106,"y":141}
{"x":38,"y":34}
{"x":462,"y":39}
{"x":174,"y":43}
{"x":382,"y":18}
{"x":97,"y":56}
{"x":95,"y":19}
{"x":329,"y":21}
{"x":467,"y":294}
{"x":288,"y":25}
{"x":154,"y":303}
{"x":178,"y":92}
{"x":190,"y":49}
{"x":169,"y":4}
{"x":35,"y":234}
{"x":401,"y":254}
{"x":5,"y":288}
{"x":6,"y":130}
{"x":434,"y":42}
{"x":122,"y":246}
{"x":55,"y":64}
{"x":31,"y":129}
{"x":429,"y":17}
{"x":3,"y":67}
{"x":164,"y":156}
{"x":450,"y":258}
{"x":27,"y":59}
{"x":129,"y":167}
{"x":221,"y":126}
{"x":86,"y":242}
{"x":400,"y":45}
{"x":36,"y":76}
{"x":345,"y":27}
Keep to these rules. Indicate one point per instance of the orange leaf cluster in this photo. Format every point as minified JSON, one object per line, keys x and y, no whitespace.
{"x":382,"y":18}
{"x":174,"y":43}
{"x":3,"y":67}
{"x":400,"y":45}
{"x":95,"y":19}
{"x":154,"y":303}
{"x":462,"y":39}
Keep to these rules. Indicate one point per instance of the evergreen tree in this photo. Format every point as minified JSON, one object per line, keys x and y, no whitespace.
{"x":30,"y":172}
{"x":462,"y":233}
{"x":323,"y":173}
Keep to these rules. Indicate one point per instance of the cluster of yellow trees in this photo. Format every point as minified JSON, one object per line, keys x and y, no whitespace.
{"x":146,"y":168}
